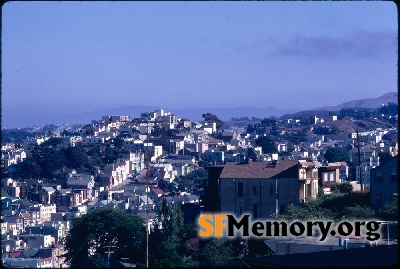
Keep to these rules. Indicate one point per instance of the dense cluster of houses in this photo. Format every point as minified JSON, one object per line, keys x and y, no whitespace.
{"x":36,"y":216}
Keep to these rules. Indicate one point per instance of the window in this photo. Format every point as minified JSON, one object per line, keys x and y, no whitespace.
{"x":378,"y":176}
{"x":393,"y":174}
{"x":328,"y":176}
{"x":332,"y":176}
{"x":240,"y":189}
{"x":378,"y":198}
{"x":254,"y":190}
{"x":271,"y":190}
{"x":240,"y":210}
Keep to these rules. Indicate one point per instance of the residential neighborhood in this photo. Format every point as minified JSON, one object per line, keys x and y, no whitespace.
{"x":134,"y":164}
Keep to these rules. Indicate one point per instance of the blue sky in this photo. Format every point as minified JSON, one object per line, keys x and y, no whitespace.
{"x":82,"y":56}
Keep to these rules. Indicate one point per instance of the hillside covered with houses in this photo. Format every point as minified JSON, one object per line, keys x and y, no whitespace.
{"x":52,"y":174}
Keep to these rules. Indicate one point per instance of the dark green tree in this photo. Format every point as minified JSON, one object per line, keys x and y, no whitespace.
{"x":390,"y":109}
{"x":336,"y":154}
{"x":269,"y":122}
{"x":110,"y":155}
{"x":27,"y":169}
{"x":165,"y":240}
{"x":171,"y":187}
{"x":217,"y":253}
{"x":77,"y":158}
{"x":208,"y":117}
{"x":171,"y":218}
{"x":250,"y":128}
{"x":118,"y":141}
{"x":49,"y":159}
{"x":267,"y":144}
{"x":310,"y":210}
{"x":162,"y":184}
{"x":94,"y":155}
{"x":358,"y":212}
{"x":197,"y":175}
{"x":344,"y":187}
{"x":390,"y":210}
{"x":251,"y":154}
{"x":166,"y":255}
{"x":89,"y":130}
{"x":93,"y":232}
{"x":52,"y":142}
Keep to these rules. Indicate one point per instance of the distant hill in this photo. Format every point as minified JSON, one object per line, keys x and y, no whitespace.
{"x":391,"y":97}
{"x":229,"y":113}
{"x":189,"y":113}
{"x":22,"y":116}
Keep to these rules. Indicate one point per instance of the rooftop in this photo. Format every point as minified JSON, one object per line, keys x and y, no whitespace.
{"x":257,"y":169}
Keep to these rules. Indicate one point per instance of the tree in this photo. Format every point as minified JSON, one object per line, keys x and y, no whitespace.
{"x":390,"y":210}
{"x":208,"y":117}
{"x":171,"y":217}
{"x":310,"y":210}
{"x":217,"y":253}
{"x":118,"y":141}
{"x":197,"y":175}
{"x":49,"y":159}
{"x":250,"y":128}
{"x":77,"y":158}
{"x":92,"y":232}
{"x":344,"y":187}
{"x":171,"y":187}
{"x":27,"y":168}
{"x":52,"y":142}
{"x":166,"y":256}
{"x":162,"y":184}
{"x":269,"y":122}
{"x":251,"y":154}
{"x":267,"y":144}
{"x":94,"y":155}
{"x":336,"y":154}
{"x":89,"y":130}
{"x":358,"y":212}
{"x":165,"y":241}
{"x":110,"y":155}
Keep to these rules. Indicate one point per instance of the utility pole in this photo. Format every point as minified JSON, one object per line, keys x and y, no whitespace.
{"x":147,"y":121}
{"x":276,"y":198}
{"x":147,"y":196}
{"x":359,"y":162}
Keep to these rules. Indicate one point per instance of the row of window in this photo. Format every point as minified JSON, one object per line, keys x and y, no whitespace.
{"x":378,"y":197}
{"x":282,"y":209}
{"x":240,"y":190}
{"x":329,"y":176}
{"x":379,"y":175}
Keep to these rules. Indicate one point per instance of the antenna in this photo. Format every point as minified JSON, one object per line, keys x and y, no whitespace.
{"x":108,"y":252}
